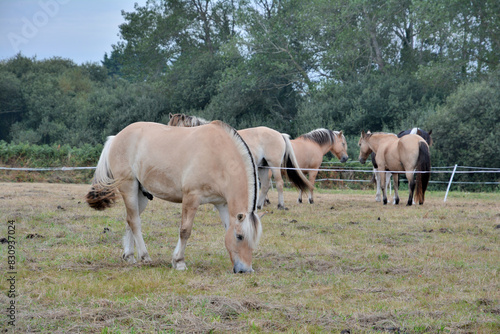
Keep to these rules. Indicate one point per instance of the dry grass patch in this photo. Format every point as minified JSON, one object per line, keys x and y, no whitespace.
{"x":345,"y":262}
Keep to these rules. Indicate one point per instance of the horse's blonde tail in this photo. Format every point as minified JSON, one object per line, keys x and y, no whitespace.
{"x":294,"y":174}
{"x":423,"y":165}
{"x":102,"y":194}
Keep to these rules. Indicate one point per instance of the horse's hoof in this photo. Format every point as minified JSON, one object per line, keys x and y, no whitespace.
{"x":130,"y":259}
{"x":396,"y":202}
{"x":179,"y":265}
{"x":281,"y":207}
{"x":299,"y":200}
{"x":259,"y":207}
{"x":146,"y":259}
{"x":311,"y":201}
{"x":385,"y":201}
{"x":377,"y":199}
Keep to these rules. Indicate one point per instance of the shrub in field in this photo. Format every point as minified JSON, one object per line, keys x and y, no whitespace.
{"x":37,"y":156}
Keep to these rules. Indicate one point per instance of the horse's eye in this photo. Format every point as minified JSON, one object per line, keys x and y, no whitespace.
{"x":239,"y":237}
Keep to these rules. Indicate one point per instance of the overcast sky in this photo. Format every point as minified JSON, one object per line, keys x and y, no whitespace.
{"x":81,"y":30}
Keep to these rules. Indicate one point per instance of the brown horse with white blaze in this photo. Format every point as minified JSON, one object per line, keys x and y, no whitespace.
{"x":192,"y":166}
{"x":270,"y":149}
{"x":310,"y":148}
{"x":395,"y":155}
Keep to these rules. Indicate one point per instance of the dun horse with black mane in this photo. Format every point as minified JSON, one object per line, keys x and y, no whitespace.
{"x":393,"y":155}
{"x":416,"y":131}
{"x":270,"y":149}
{"x":192,"y":166}
{"x":310,"y":148}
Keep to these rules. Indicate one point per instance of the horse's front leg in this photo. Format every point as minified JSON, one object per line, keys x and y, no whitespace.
{"x":379,"y":190}
{"x":189,"y":206}
{"x":395,"y":178}
{"x":224,"y":215}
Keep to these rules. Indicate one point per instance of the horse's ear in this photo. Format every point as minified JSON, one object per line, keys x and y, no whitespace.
{"x":170,"y":115}
{"x":362,"y":133}
{"x":430,"y":132}
{"x":241,"y":217}
{"x":341,"y":133}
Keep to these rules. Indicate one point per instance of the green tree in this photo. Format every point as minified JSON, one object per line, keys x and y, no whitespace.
{"x":466,"y":130}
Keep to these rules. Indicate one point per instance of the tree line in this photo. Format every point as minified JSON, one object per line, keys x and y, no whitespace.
{"x":291,"y":65}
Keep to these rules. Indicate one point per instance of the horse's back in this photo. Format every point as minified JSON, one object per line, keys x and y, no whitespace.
{"x":408,"y":147}
{"x":167,"y":160}
{"x":307,"y":152}
{"x":264,"y":143}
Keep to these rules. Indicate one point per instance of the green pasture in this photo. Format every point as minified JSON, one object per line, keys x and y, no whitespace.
{"x":344,"y":263}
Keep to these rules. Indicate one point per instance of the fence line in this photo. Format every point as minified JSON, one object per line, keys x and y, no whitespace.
{"x":44,"y":169}
{"x":486,"y":170}
{"x":472,"y":170}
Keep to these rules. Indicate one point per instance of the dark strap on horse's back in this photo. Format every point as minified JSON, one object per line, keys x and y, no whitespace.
{"x":403,"y":133}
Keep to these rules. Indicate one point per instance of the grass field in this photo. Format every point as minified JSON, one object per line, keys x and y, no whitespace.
{"x":345,"y":263}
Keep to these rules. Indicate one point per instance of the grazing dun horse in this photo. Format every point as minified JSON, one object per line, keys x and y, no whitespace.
{"x":422,"y":133}
{"x":393,"y":154}
{"x":192,"y":166}
{"x":270,"y":149}
{"x":310,"y":148}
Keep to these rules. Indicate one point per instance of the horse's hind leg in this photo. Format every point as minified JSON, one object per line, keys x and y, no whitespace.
{"x":189,"y":206}
{"x":395,"y":178}
{"x":265,"y":183}
{"x":135,"y":203}
{"x":411,"y":187}
{"x":312,"y":179}
{"x":279,"y":187}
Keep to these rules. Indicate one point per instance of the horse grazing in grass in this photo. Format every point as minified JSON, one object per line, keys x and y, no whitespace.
{"x":192,"y":166}
{"x":393,"y":154}
{"x":422,"y":133}
{"x":310,"y":148}
{"x":270,"y":149}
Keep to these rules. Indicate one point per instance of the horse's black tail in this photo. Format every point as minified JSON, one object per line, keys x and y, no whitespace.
{"x":423,"y":165}
{"x":293,"y":172}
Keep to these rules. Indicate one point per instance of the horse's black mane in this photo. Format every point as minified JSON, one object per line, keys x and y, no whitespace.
{"x":320,"y":136}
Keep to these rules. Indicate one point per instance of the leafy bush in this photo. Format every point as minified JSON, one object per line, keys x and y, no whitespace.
{"x":37,"y":156}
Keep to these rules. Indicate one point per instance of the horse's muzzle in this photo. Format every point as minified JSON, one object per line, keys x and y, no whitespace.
{"x":241,"y":268}
{"x":362,"y":160}
{"x":344,"y":158}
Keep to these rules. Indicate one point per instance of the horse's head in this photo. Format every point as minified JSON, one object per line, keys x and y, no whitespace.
{"x":339,"y":146}
{"x":364,"y":147}
{"x":176,"y":119}
{"x":426,"y":135}
{"x":242,"y":236}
